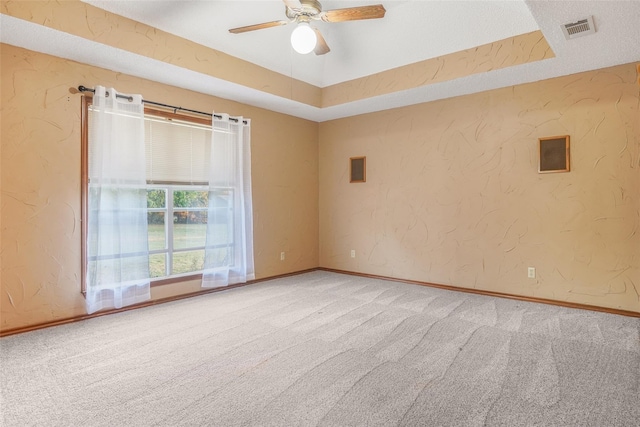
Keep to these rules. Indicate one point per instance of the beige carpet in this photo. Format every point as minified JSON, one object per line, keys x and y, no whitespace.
{"x":331,"y":350}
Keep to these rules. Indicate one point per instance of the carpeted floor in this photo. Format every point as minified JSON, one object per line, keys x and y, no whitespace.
{"x":332,"y":350}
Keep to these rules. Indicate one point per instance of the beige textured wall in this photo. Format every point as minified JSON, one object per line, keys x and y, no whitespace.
{"x":453,"y":195}
{"x":40,"y":178}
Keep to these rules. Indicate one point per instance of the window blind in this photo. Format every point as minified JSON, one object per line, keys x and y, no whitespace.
{"x":176,"y":152}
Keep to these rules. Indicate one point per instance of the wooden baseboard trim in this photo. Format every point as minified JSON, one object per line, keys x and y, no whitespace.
{"x":64,"y":321}
{"x":493,"y":294}
{"x":74,"y":319}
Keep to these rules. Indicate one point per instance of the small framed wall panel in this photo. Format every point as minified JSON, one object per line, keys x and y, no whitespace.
{"x":553,"y":154}
{"x":358,"y":169}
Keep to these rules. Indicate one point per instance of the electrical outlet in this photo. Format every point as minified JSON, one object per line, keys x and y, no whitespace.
{"x":531,"y":272}
{"x":353,"y":253}
{"x":281,"y":256}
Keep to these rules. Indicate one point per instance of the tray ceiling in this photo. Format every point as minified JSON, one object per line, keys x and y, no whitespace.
{"x":412,"y":34}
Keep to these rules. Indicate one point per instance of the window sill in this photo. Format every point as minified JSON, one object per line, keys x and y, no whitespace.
{"x":175,"y":279}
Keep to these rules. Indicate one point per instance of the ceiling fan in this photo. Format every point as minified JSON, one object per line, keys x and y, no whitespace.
{"x":305,"y":38}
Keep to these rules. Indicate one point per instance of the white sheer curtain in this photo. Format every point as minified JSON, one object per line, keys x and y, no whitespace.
{"x":117,"y":239}
{"x":229,"y":244}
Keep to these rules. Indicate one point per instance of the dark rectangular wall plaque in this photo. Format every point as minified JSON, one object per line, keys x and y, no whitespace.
{"x":554,"y":154}
{"x":358,"y":168}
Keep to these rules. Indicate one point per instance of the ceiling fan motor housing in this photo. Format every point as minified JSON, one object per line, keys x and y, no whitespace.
{"x":310,"y":8}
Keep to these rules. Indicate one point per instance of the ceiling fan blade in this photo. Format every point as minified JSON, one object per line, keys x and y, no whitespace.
{"x":257,"y":26}
{"x":293,"y":4}
{"x":354,"y":13}
{"x":321,"y":45}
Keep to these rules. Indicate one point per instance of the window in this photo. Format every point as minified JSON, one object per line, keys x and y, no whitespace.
{"x":178,"y":156}
{"x":176,"y":246}
{"x":177,"y":221}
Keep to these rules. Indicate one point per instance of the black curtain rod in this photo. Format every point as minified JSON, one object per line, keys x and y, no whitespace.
{"x":173,"y":107}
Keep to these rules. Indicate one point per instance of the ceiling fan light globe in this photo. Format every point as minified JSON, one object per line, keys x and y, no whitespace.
{"x":303,"y":38}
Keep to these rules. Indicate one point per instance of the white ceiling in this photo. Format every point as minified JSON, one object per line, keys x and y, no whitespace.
{"x":411,"y":31}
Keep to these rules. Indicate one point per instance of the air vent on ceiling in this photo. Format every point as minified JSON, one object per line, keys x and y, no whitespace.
{"x":578,"y":29}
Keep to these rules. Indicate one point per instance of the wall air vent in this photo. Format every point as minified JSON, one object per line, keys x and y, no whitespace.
{"x":580,"y":28}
